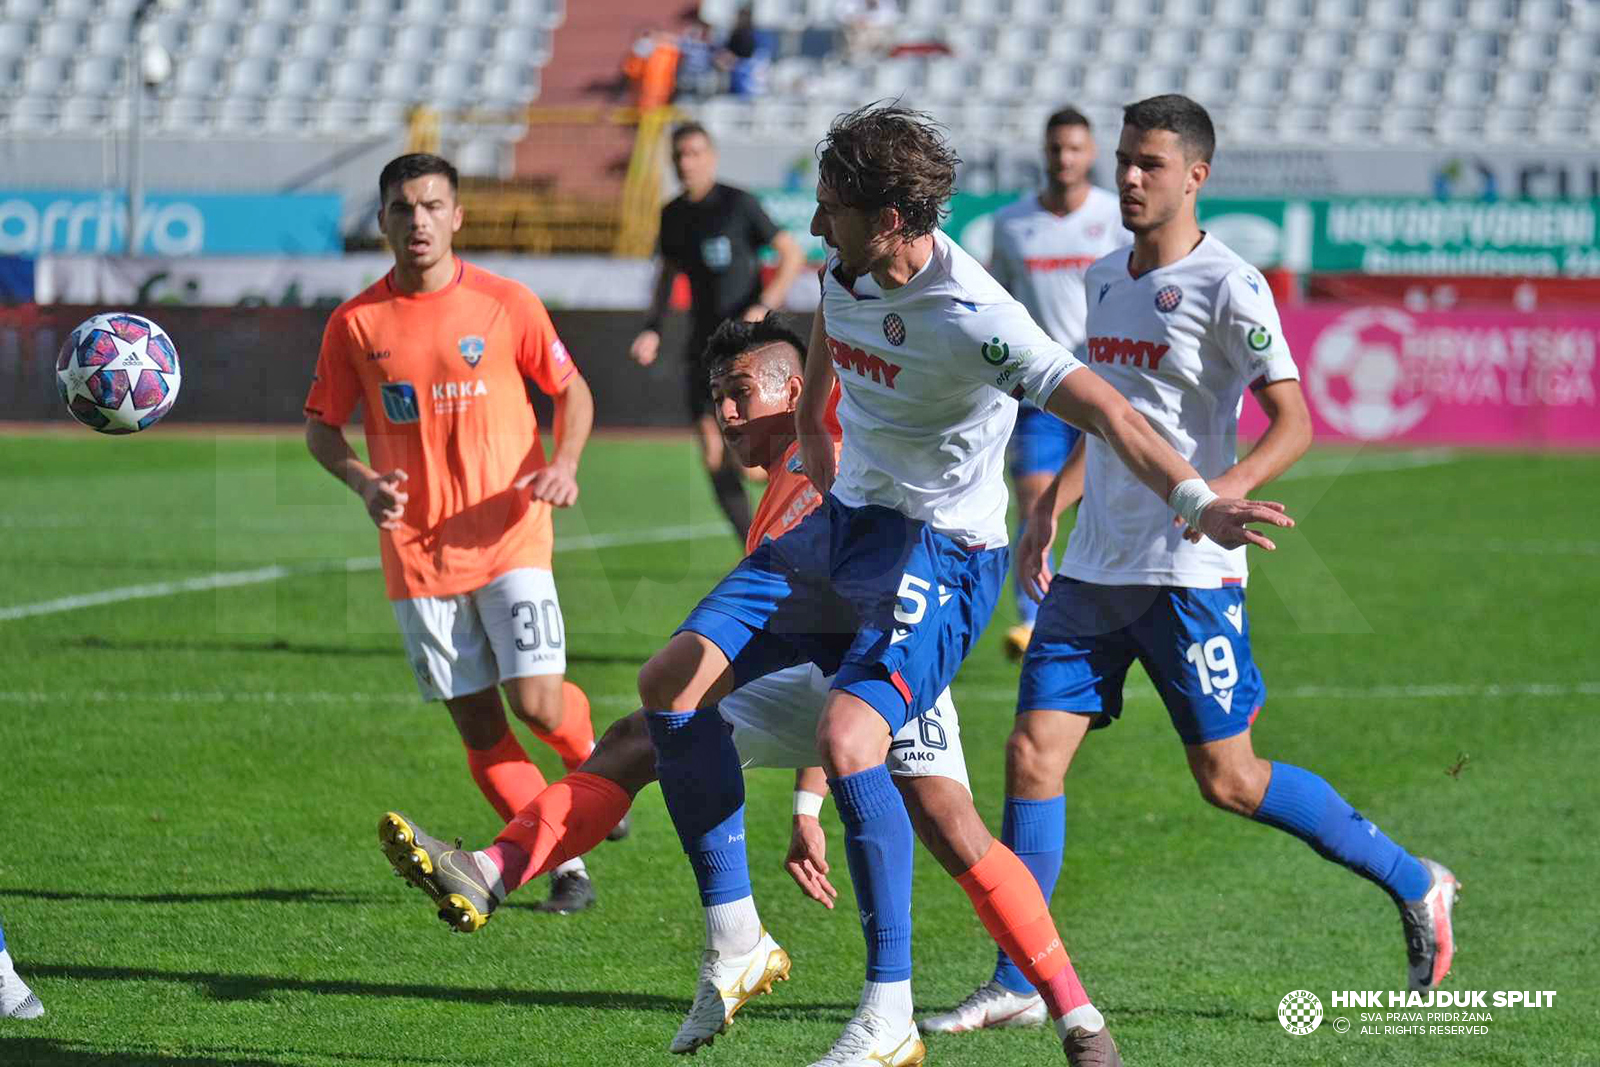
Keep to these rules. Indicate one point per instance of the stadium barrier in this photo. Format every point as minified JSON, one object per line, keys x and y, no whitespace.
{"x":1372,"y":373}
{"x":253,"y":365}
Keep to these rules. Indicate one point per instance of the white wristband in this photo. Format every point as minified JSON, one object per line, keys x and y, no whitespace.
{"x":1189,"y":498}
{"x":807,"y":803}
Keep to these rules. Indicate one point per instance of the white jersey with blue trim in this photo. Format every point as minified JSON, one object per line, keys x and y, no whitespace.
{"x":929,"y":378}
{"x":1181,"y":342}
{"x":1041,"y":258}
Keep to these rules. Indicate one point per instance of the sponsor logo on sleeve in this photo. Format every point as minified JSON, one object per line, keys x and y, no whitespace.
{"x":399,"y":402}
{"x":995,"y":352}
{"x":1259,"y":339}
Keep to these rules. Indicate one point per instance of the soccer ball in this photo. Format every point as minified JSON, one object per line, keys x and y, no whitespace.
{"x":118,"y":373}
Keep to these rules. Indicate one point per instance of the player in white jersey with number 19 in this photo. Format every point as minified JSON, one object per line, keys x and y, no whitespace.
{"x":1043,"y":244}
{"x":1180,"y":325}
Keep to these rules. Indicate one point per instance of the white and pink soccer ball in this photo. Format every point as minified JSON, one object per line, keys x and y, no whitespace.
{"x":118,"y":373}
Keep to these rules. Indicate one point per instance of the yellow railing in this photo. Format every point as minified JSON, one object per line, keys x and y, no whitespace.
{"x":539,"y":217}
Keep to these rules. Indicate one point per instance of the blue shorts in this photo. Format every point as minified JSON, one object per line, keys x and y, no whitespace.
{"x":1194,"y":644}
{"x":1040,"y":443}
{"x":885,"y":601}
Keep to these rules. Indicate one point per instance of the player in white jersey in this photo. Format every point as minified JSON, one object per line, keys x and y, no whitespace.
{"x":888,"y":583}
{"x":1181,"y":326}
{"x":1043,"y":244}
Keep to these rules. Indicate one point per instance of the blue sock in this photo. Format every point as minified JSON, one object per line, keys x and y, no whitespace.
{"x":877,"y":844}
{"x":1307,"y":807}
{"x":1036,"y":831}
{"x":703,"y":785}
{"x":2,"y":938}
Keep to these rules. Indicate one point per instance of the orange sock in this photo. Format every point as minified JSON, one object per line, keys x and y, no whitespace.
{"x":1008,"y":902}
{"x":506,"y":776}
{"x":573,"y":740}
{"x":560,"y":824}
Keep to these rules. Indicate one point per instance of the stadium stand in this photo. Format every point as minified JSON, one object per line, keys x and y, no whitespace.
{"x":1329,"y":72}
{"x":244,"y":66}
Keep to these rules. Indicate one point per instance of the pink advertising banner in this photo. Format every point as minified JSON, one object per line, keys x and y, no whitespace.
{"x":1385,"y":374}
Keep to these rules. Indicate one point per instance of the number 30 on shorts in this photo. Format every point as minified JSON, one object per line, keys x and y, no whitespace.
{"x":1214,"y":664}
{"x":529,"y":616}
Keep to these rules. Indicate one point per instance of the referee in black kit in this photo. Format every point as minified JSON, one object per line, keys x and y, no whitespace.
{"x":713,"y":233}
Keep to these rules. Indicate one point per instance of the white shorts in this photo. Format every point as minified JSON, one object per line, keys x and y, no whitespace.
{"x":511,"y":628}
{"x":774,"y":720}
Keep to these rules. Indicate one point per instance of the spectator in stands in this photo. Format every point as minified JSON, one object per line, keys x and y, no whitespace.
{"x":867,"y":26}
{"x":713,"y":233}
{"x":698,"y":76}
{"x":746,"y":55}
{"x":652,"y":68}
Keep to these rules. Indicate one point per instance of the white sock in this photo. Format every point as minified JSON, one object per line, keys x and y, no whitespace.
{"x":732,"y":929}
{"x":491,"y":874}
{"x":574,"y":864}
{"x":892,"y":1000}
{"x":1084,"y":1017}
{"x":5,"y":961}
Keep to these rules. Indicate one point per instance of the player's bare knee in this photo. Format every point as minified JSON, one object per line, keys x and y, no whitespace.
{"x":1031,"y":766}
{"x":542,"y":707}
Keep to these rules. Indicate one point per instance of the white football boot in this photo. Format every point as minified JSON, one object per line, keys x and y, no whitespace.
{"x":726,"y":984}
{"x":1430,"y":930}
{"x":17,"y":1001}
{"x":870,"y":1040}
{"x":990,"y":1005}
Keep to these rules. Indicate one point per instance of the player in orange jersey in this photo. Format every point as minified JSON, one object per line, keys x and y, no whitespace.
{"x":755,"y":371}
{"x":437,"y":353}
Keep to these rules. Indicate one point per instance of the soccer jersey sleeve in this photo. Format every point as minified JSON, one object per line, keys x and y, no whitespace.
{"x":335,"y":389}
{"x":1249,"y":331}
{"x":1000,"y":345}
{"x":542,"y":357}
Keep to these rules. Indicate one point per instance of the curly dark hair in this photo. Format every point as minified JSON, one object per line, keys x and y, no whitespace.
{"x":1181,"y":116}
{"x":885,"y":155}
{"x":735,"y":337}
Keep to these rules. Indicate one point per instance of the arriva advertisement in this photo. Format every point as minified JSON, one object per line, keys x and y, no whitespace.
{"x":1384,"y":374}
{"x":38,"y":222}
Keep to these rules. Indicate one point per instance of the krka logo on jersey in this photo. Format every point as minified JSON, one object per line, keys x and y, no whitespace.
{"x":471,"y":348}
{"x":994,"y":352}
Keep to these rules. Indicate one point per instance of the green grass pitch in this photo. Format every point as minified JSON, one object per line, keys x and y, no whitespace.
{"x":190,"y":781}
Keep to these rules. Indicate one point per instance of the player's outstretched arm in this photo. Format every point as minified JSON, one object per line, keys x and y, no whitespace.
{"x":810,"y":416}
{"x":1088,"y":401}
{"x":556,"y":483}
{"x":1039,"y":532}
{"x":385,"y":500}
{"x":807,"y":860}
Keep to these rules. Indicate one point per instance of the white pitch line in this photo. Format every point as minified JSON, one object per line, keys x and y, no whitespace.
{"x":228,"y":579}
{"x":1440,"y":691}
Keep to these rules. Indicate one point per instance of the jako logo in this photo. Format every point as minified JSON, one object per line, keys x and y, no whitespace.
{"x":98,"y":223}
{"x":864,"y":363}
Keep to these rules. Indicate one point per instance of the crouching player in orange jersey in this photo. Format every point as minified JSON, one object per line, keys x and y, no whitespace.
{"x":756,"y":378}
{"x":459,"y":487}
